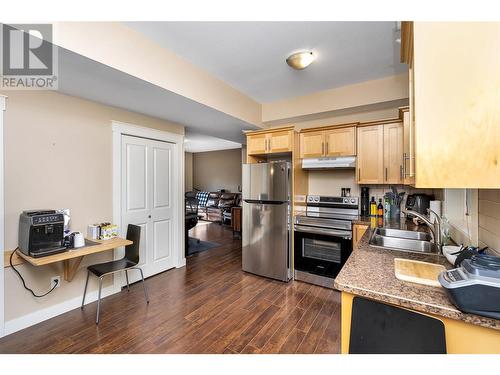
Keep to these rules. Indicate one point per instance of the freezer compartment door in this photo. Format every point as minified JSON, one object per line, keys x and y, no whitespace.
{"x":266,"y":181}
{"x":266,"y":240}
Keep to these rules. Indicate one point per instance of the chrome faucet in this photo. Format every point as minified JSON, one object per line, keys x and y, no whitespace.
{"x":435,"y":227}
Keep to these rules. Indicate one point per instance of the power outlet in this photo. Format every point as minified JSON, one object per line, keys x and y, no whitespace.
{"x":53,"y":281}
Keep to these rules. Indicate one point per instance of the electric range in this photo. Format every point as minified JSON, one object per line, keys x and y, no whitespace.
{"x":323,"y":238}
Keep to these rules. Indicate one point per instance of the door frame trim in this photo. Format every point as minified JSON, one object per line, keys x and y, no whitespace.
{"x":2,"y":216}
{"x":120,"y":128}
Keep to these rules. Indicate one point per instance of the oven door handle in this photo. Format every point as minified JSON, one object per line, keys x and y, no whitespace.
{"x":329,"y":232}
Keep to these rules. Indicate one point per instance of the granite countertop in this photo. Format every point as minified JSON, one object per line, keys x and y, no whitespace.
{"x":369,"y":272}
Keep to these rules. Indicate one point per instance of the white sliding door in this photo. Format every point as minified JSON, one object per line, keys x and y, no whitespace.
{"x":148,"y":200}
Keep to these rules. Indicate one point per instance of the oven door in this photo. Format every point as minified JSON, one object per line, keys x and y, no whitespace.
{"x":321,"y":251}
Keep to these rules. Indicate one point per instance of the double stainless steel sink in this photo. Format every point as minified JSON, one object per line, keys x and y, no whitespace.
{"x":403,"y":240}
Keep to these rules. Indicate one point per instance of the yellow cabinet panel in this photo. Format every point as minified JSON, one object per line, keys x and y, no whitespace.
{"x":280,"y":141}
{"x":341,"y":142}
{"x":393,"y":153}
{"x":456,"y":104}
{"x":370,"y":159}
{"x":408,"y":149}
{"x":312,"y":145}
{"x":257,"y":144}
{"x":358,"y":232}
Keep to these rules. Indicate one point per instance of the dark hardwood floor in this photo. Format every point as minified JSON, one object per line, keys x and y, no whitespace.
{"x":209,"y":306}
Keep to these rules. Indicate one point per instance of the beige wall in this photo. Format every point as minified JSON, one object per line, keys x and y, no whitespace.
{"x":58,"y":154}
{"x":188,"y":171}
{"x":367,"y":93}
{"x":360,"y":114}
{"x":489,"y":218}
{"x":216,"y":170}
{"x":331,"y":182}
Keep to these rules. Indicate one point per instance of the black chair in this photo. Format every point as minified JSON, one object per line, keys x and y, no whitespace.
{"x":129,"y":262}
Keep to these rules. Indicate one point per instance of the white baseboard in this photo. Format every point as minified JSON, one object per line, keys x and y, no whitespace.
{"x":38,"y":316}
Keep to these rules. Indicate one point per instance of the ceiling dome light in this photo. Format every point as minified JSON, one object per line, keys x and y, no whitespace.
{"x":300,"y":60}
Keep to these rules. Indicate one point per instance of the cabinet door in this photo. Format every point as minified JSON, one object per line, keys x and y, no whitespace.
{"x":393,"y":153}
{"x":257,"y":144}
{"x":280,"y":142}
{"x":312,"y":145}
{"x":370,"y":160}
{"x":340,"y":142}
{"x":358,"y":232}
{"x":456,"y":104}
{"x":408,"y":150}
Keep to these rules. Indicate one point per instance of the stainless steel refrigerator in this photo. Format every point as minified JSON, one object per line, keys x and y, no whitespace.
{"x":267,"y":219}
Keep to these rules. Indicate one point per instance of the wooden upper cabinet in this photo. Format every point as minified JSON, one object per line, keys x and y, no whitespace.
{"x":408,"y":148}
{"x":454,"y":104}
{"x":340,"y":142}
{"x":393,"y":153}
{"x":312,"y":144}
{"x":370,"y":160}
{"x":328,"y":143}
{"x":280,"y":141}
{"x":270,"y":142}
{"x":257,"y":144}
{"x":380,"y":154}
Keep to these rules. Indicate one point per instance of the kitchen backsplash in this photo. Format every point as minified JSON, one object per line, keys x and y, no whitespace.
{"x":489,"y":218}
{"x":331,"y":182}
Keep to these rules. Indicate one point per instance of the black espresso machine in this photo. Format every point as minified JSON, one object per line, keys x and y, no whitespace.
{"x":41,"y":233}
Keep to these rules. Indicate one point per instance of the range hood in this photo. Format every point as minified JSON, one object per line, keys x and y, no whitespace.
{"x":329,"y":163}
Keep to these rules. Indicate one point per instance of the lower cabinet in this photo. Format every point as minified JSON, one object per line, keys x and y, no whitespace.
{"x":358,"y":231}
{"x":358,"y":335}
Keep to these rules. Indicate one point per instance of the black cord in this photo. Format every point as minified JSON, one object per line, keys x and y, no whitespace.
{"x":56,"y":282}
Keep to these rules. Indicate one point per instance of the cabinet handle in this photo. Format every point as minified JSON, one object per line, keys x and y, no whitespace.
{"x":359,"y":174}
{"x":386,"y":174}
{"x":322,"y":148}
{"x":401,"y":172}
{"x":404,"y":165}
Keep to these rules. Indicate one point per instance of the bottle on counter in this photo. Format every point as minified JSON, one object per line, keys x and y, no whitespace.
{"x":387,"y":208}
{"x":380,"y":208}
{"x":373,"y":207}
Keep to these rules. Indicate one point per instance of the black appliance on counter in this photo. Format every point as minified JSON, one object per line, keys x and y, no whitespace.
{"x":41,"y":233}
{"x":365,"y":201}
{"x":323,"y":238}
{"x":419,"y":203}
{"x":474,"y":287}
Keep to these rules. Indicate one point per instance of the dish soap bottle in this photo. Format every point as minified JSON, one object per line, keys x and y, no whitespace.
{"x":373,"y":207}
{"x":380,"y":209}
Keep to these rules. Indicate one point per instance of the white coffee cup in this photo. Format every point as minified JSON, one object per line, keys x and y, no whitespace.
{"x":78,"y":239}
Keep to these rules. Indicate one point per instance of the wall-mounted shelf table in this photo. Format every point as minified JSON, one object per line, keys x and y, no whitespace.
{"x":71,"y":258}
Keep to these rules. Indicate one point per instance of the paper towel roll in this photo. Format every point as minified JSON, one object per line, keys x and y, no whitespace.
{"x":436,"y":207}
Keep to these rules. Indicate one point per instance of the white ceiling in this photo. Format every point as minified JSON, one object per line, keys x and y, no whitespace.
{"x":194,"y":142}
{"x":250,"y":56}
